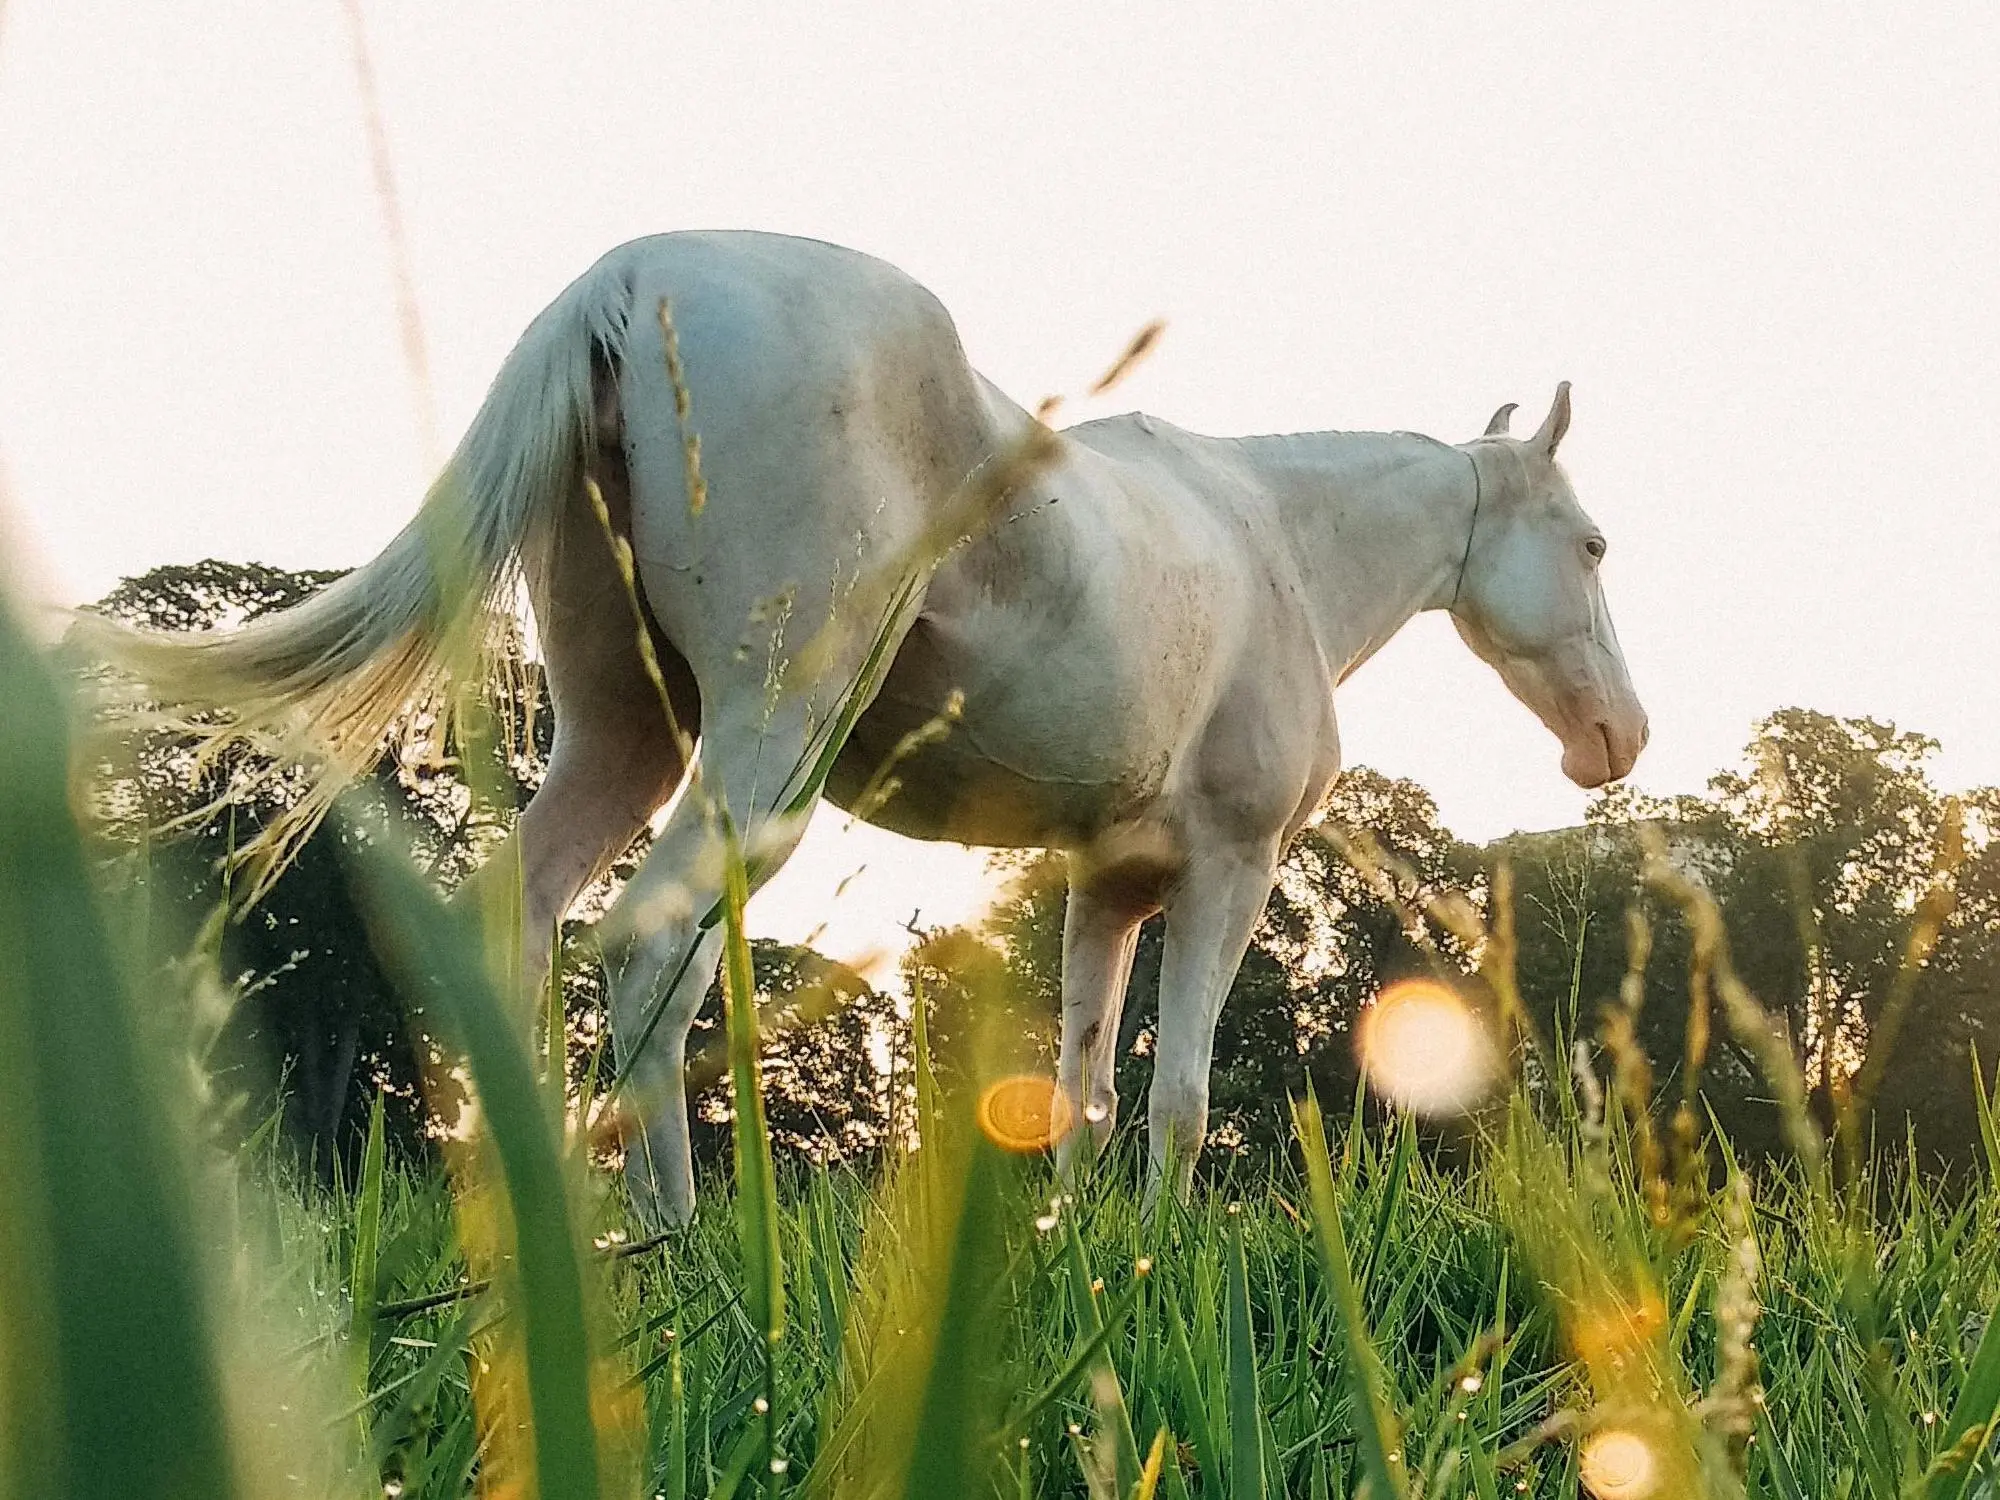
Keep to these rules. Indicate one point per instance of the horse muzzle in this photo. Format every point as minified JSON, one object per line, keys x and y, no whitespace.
{"x":1604,"y":749}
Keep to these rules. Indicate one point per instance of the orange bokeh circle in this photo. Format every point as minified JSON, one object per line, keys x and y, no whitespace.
{"x":1024,"y":1113}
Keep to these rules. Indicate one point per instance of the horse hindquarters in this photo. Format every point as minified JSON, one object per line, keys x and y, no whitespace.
{"x":797,"y":572}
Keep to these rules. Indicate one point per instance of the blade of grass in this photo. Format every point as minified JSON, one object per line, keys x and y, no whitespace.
{"x":397,"y":1425}
{"x":1246,"y":1426}
{"x":1398,"y":1176}
{"x":1149,"y":1475}
{"x":829,"y":1271}
{"x":1989,"y":1129}
{"x":1377,"y":1432}
{"x":1976,"y":1409}
{"x":756,"y":1179}
{"x":1106,"y":1388}
{"x":1784,"y":1483}
{"x":435,"y":956}
{"x":361,"y":1282}
{"x":1194,"y":1402}
{"x":1084,"y":1358}
{"x":555,"y":1036}
{"x":952,"y":1432}
{"x":675,"y":1458}
{"x":736,"y":1467}
{"x":107,"y":1355}
{"x":920,"y":1056}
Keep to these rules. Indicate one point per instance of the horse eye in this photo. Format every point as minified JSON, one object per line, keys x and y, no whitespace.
{"x":1595,"y":547}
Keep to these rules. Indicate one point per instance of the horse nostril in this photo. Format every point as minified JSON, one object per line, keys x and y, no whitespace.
{"x":1645,"y":735}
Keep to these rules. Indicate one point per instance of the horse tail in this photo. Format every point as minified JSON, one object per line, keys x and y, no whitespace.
{"x":329,"y":680}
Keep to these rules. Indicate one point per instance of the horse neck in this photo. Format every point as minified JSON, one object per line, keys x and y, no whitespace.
{"x":1378,"y":523}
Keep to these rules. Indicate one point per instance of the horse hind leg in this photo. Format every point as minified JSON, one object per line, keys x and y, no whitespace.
{"x":600,"y":790}
{"x":663,"y":938}
{"x":618,"y":754}
{"x":761,"y":739}
{"x":769,"y":587}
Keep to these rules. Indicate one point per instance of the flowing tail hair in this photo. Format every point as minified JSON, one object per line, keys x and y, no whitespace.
{"x":327,"y":681}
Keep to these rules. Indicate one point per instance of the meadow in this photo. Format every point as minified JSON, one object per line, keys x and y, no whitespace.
{"x":1575,"y":1298}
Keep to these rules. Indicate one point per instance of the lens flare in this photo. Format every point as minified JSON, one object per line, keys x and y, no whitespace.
{"x":1425,"y":1048}
{"x":1023,"y":1114}
{"x":1618,"y":1465}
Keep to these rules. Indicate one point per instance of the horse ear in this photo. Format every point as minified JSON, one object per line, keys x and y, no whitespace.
{"x":1498,"y":426}
{"x":1555,"y":424}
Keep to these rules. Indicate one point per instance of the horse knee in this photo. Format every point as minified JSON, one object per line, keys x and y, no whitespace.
{"x":1177,"y":1119}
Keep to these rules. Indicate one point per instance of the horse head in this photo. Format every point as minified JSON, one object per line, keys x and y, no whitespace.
{"x":1530,"y":600}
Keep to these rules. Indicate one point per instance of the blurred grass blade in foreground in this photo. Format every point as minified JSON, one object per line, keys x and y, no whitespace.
{"x":756,"y":1181}
{"x":955,"y":1447}
{"x":109,"y":1383}
{"x":436,"y":957}
{"x":1378,"y":1434}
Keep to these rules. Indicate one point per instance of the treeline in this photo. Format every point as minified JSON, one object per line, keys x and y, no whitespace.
{"x":1831,"y":856}
{"x":1825,"y":860}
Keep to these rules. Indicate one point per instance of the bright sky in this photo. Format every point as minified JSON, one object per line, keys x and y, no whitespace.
{"x":1761,"y":240}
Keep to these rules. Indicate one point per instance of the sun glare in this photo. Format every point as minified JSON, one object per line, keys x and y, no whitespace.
{"x":1425,"y":1048}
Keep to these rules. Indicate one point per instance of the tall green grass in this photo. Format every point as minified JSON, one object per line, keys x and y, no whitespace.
{"x":929,"y":1337}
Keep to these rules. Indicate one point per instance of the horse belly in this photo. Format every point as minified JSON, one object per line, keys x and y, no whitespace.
{"x":952,"y":791}
{"x":1062,"y":733}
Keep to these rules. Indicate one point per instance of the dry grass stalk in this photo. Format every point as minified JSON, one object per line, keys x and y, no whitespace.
{"x":1751,"y":1024}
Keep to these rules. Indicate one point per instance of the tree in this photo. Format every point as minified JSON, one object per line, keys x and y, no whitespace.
{"x":1839,"y":826}
{"x":1819,"y":853}
{"x":316,"y":1028}
{"x":829,"y":1038}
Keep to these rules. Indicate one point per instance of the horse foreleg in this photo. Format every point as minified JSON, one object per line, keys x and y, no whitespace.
{"x":1211,"y":914}
{"x":1100,"y":936}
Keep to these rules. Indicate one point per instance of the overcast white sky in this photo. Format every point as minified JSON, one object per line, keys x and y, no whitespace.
{"x":1759,"y":239}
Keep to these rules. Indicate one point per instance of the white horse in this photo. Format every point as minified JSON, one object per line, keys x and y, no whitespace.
{"x":1144,"y":637}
